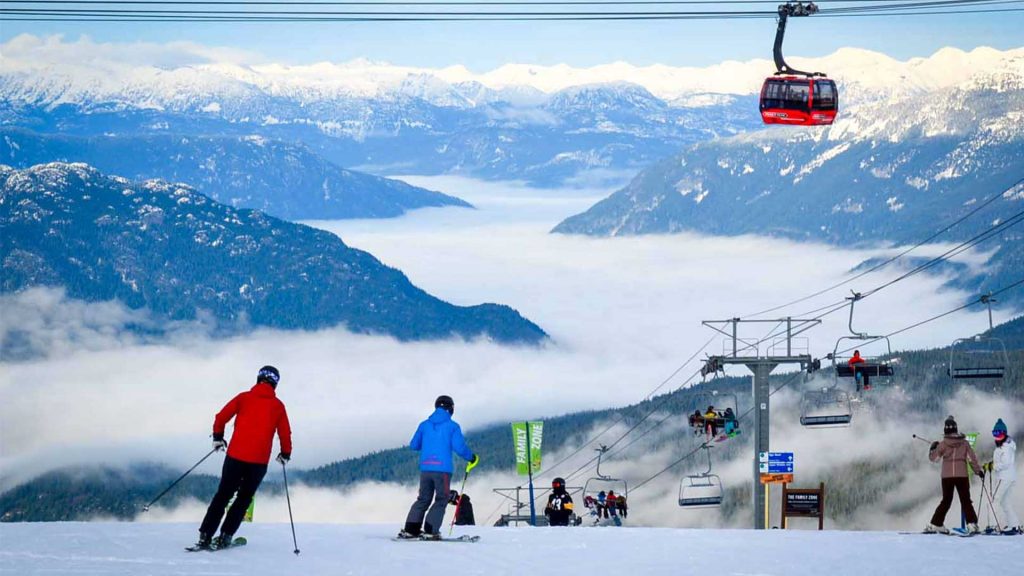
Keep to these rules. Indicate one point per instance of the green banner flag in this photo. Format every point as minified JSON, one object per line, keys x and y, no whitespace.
{"x":972,"y":439}
{"x":519,"y":440}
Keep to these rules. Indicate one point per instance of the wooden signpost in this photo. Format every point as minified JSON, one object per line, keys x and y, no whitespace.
{"x":803,"y":503}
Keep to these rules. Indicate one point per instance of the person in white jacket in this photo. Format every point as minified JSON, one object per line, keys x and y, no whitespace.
{"x":1004,"y":469}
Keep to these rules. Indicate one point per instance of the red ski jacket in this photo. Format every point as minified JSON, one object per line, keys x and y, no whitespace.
{"x":258,"y":414}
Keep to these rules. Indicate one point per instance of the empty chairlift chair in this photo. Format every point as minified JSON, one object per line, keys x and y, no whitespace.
{"x":826,"y":408}
{"x":702,"y":490}
{"x":979,"y":357}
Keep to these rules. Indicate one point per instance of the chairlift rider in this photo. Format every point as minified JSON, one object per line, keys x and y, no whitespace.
{"x":858,"y":373}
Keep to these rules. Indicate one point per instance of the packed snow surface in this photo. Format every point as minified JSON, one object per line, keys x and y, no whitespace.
{"x":157,"y":549}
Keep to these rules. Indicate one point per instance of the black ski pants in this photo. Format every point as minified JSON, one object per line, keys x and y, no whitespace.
{"x":433,"y":487}
{"x":962,"y":485}
{"x":238,"y":477}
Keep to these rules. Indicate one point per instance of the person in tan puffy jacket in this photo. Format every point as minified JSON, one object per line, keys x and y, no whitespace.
{"x":955,"y":452}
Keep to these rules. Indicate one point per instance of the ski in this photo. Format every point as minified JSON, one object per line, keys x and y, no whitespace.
{"x":961,"y":533}
{"x":240,"y":541}
{"x":463,"y":538}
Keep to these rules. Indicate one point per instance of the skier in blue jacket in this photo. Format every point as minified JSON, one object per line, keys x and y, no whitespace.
{"x":435,"y":439}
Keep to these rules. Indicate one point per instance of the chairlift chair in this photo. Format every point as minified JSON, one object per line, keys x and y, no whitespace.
{"x":604,"y":483}
{"x":869,"y":369}
{"x":979,"y":357}
{"x":731,"y":402}
{"x":826,"y":408}
{"x":703,"y":490}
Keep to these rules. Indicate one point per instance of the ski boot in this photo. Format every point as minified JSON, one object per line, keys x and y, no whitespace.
{"x":1012,"y":531}
{"x":430,"y":536}
{"x":973,"y":529}
{"x":410,"y":532}
{"x":222,"y":541}
{"x":933,"y":529}
{"x":204,"y":543}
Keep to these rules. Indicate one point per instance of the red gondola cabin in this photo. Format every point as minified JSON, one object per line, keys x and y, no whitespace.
{"x":799,"y":101}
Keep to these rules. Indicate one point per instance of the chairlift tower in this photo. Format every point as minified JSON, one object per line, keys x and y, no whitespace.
{"x":785,"y":349}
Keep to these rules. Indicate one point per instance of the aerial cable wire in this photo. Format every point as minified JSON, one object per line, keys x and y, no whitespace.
{"x":870,"y":3}
{"x":892,"y":259}
{"x":91,"y":13}
{"x":76,"y":18}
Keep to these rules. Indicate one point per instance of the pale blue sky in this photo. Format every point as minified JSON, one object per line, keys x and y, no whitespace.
{"x":485,"y":45}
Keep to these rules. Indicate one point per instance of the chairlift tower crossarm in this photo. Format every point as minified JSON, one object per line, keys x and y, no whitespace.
{"x":762,"y":366}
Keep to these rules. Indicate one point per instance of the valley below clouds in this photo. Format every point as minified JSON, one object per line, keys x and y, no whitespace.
{"x":623,"y":314}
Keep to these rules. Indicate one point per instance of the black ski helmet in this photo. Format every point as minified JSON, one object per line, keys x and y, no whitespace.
{"x":445,"y":402}
{"x":950,"y":426}
{"x":558,"y":483}
{"x":270,"y":375}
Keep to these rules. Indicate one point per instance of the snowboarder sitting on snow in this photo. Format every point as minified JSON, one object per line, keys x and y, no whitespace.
{"x":1004,"y":470}
{"x":955,"y":452}
{"x":435,"y":439}
{"x":258,"y":413}
{"x":559,"y":508}
{"x":463,"y":510}
{"x":859,"y":374}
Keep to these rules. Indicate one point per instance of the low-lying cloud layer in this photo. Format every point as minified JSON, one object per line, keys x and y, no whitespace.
{"x":623,"y":313}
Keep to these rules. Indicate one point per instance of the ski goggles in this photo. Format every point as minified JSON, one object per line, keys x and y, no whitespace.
{"x":998,"y":434}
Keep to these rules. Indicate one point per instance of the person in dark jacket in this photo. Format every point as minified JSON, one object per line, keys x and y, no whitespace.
{"x":464,"y":511}
{"x":435,"y":439}
{"x":258,"y":414}
{"x":955,"y":452}
{"x":559,"y":509}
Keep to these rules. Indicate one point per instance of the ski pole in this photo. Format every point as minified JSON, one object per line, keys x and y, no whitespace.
{"x":458,"y":503}
{"x":925,"y":440}
{"x":289,"y":499}
{"x":180,"y":478}
{"x":991,"y":495}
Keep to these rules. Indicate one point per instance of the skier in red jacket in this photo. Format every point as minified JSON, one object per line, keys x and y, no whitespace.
{"x":258,"y":415}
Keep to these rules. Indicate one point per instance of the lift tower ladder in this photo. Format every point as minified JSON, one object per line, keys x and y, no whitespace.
{"x":785,"y":349}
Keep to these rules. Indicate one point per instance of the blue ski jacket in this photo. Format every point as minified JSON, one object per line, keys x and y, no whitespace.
{"x":435,"y":439}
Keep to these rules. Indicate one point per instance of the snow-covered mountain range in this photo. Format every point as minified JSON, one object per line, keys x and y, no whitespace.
{"x":58,"y":72}
{"x":893,"y":170}
{"x":282,"y":179}
{"x":547,"y":125}
{"x":172,"y":251}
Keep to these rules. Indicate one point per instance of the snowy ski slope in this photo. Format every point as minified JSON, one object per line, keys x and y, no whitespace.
{"x":157,"y":549}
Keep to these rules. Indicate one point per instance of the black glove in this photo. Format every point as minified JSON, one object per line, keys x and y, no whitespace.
{"x":981,"y":473}
{"x":284,"y":457}
{"x":218,"y":442}
{"x":934,"y":446}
